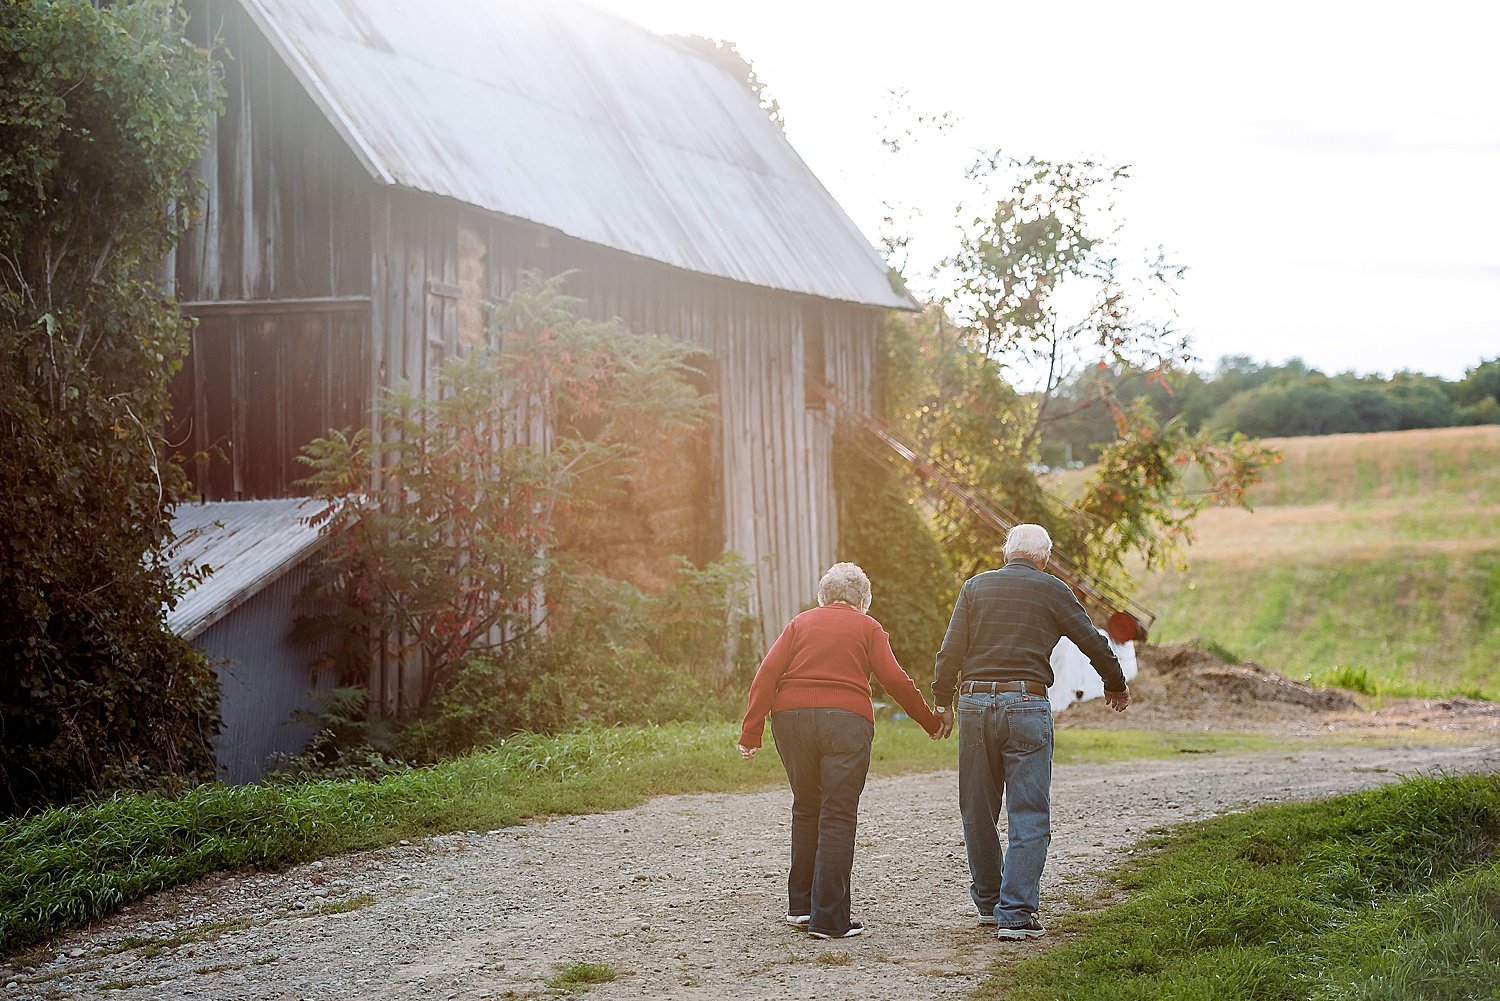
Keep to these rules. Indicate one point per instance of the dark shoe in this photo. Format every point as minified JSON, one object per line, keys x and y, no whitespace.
{"x":855,"y":928}
{"x":987,"y":919}
{"x":798,"y":920}
{"x":1015,"y":933}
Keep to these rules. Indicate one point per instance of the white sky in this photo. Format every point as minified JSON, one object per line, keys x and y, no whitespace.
{"x":1329,"y":171}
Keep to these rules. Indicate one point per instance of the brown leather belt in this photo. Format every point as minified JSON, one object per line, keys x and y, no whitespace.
{"x":991,"y":687}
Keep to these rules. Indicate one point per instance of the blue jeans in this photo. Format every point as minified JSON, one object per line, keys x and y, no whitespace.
{"x":826,"y":753}
{"x":1005,"y":749}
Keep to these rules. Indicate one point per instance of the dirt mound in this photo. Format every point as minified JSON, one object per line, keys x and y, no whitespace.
{"x":1184,"y":687}
{"x":1188,"y":669}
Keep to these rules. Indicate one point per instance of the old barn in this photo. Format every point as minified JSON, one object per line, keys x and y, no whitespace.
{"x":382,"y":169}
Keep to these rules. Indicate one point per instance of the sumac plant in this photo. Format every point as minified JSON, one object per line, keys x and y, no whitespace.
{"x":444,"y":514}
{"x":102,"y":113}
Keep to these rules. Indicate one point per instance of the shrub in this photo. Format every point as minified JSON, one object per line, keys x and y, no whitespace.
{"x":618,"y":654}
{"x":912,"y":586}
{"x":103,"y":113}
{"x":452,"y":541}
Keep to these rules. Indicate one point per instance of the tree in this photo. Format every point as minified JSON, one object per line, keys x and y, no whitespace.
{"x":952,"y":400}
{"x":102,"y":113}
{"x":1480,"y":383}
{"x":1421,"y":401}
{"x":1041,"y":285}
{"x":444,"y":528}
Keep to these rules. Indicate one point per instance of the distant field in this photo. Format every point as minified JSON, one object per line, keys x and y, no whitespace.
{"x":1373,"y":552}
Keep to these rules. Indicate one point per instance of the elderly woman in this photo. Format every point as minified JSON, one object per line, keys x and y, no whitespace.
{"x":815,"y":684}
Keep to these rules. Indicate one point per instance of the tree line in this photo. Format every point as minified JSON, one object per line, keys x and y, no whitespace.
{"x":1262,"y":400}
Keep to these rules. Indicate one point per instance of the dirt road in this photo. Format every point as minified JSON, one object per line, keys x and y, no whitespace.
{"x":682,"y":896}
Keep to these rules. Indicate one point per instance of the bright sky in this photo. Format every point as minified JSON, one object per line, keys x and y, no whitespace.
{"x":1330,"y":171}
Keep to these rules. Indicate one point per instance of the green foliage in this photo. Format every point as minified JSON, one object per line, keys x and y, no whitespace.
{"x":1355,"y":679}
{"x":1451,"y":957}
{"x":952,"y":400}
{"x":1139,"y":498}
{"x":1314,"y":404}
{"x":1041,"y":279}
{"x":350,"y":742}
{"x":1340,"y":899}
{"x":617,"y":655}
{"x":103,"y":113}
{"x":1418,"y":625}
{"x":71,"y":865}
{"x":581,"y":976}
{"x":1371,"y":554}
{"x":460,"y":491}
{"x":1262,"y":400}
{"x":1482,"y":382}
{"x":912,"y":585}
{"x":1043,"y":288}
{"x":954,"y":403}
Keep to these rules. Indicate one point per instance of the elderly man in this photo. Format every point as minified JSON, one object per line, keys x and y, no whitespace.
{"x":997,"y":653}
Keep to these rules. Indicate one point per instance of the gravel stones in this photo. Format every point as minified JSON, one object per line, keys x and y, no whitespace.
{"x":683,"y":897}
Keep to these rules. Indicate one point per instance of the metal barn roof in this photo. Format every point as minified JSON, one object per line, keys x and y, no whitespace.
{"x":568,"y":116}
{"x":248,"y":544}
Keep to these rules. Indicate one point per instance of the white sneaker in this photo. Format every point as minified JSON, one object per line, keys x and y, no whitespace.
{"x":798,"y":920}
{"x":1016,"y":933}
{"x":855,"y":928}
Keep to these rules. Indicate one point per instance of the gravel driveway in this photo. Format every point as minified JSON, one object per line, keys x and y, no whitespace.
{"x":683,"y":896}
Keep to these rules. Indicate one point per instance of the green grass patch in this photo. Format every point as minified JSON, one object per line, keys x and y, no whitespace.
{"x":68,"y":866}
{"x":581,"y":976}
{"x":1421,"y":625}
{"x":1391,"y":893}
{"x":343,"y":905}
{"x":1370,"y":561}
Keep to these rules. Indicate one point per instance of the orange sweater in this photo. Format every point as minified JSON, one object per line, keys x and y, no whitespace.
{"x":823,"y":659}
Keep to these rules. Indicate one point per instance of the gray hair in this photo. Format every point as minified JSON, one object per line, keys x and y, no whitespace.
{"x":1029,"y":541}
{"x":845,"y":582}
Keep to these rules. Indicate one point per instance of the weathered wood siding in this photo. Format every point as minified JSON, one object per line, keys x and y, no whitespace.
{"x":315,"y":288}
{"x":434,"y":258}
{"x":277,"y":272}
{"x":284,"y":213}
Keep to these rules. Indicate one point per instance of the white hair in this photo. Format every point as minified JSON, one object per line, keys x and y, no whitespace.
{"x":1029,"y":541}
{"x":845,"y":582}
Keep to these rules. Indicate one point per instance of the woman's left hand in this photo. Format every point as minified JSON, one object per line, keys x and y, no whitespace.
{"x":747,"y":752}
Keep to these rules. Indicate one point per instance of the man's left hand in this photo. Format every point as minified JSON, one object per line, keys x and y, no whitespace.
{"x":1118,"y":701}
{"x":747,"y":752}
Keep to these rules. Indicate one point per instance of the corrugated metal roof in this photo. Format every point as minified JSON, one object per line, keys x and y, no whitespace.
{"x":568,"y":116}
{"x":248,"y":544}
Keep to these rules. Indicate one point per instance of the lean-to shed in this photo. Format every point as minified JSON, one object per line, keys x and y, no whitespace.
{"x":382,"y":168}
{"x":258,"y":557}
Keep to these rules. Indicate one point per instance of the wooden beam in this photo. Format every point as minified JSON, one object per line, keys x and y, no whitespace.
{"x":260,"y":307}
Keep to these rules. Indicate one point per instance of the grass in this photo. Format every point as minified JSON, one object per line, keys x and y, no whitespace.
{"x":1367,"y":557}
{"x":581,"y":976}
{"x":1392,"y":893}
{"x":1422,"y":625}
{"x":65,"y":867}
{"x":353,"y":902}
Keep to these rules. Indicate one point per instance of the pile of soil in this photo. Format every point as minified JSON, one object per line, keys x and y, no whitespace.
{"x":1183,"y":687}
